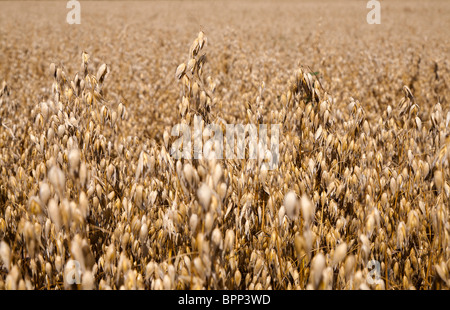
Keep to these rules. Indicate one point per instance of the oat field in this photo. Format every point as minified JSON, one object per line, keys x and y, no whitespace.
{"x":91,"y":196}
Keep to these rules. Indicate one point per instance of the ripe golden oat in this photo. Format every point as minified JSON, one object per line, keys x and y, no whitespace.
{"x":362,"y":174}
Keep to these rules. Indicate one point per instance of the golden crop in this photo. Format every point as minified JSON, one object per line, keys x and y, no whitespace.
{"x":86,"y":113}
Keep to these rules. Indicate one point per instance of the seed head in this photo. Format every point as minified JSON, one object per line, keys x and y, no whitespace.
{"x":291,"y":205}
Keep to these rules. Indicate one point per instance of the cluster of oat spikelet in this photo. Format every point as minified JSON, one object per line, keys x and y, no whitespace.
{"x":348,"y":190}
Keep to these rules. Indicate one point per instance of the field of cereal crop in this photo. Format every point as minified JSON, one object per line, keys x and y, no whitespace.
{"x":91,"y":191}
